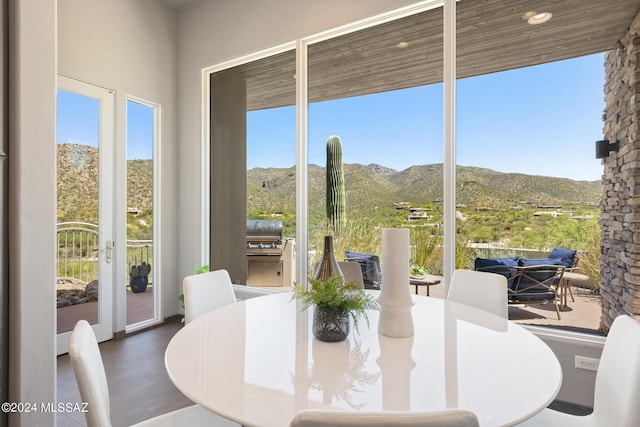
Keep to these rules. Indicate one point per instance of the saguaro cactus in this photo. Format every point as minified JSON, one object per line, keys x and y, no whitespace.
{"x":336,"y":205}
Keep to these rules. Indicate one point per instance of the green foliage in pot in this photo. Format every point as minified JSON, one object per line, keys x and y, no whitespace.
{"x":201,"y":269}
{"x":337,"y":295}
{"x":416,"y":270}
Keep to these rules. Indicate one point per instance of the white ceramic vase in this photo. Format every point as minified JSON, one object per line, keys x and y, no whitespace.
{"x":395,"y":299}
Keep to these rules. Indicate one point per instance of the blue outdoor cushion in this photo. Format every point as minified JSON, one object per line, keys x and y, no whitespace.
{"x":357,"y":255}
{"x":481,"y":263}
{"x":533,"y":294}
{"x":567,"y":256}
{"x":370,"y":266}
{"x":497,"y":265}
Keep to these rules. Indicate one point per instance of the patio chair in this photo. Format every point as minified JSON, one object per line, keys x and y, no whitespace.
{"x":569,"y":259}
{"x":530,"y":281}
{"x":88,"y":369}
{"x":352,"y":272}
{"x":370,"y":266}
{"x":486,"y":291}
{"x":446,"y":418}
{"x":205,"y":292}
{"x":617,"y":387}
{"x":537,"y":284}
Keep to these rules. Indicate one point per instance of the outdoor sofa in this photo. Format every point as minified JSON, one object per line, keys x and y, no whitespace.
{"x":532,"y":280}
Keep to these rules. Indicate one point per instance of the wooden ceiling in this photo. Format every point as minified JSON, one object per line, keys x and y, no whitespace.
{"x":491,"y":37}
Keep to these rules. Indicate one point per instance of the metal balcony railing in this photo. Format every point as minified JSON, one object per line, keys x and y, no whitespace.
{"x":78,"y":251}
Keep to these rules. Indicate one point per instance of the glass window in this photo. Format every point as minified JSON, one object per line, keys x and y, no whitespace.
{"x":527,"y":179}
{"x":142,"y":284}
{"x":386,"y":108}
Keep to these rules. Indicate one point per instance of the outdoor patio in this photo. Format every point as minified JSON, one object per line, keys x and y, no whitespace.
{"x":139,"y":308}
{"x":583,"y":315}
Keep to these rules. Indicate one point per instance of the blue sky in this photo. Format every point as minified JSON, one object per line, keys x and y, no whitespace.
{"x":540,"y":120}
{"x":78,"y":124}
{"x":77,"y":119}
{"x":139,"y":131}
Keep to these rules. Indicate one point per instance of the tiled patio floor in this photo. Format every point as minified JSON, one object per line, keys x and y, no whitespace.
{"x":139,"y":308}
{"x":583,"y":315}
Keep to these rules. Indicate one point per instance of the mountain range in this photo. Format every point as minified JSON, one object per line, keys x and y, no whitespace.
{"x":367,"y":186}
{"x":373,"y":185}
{"x":77,"y":170}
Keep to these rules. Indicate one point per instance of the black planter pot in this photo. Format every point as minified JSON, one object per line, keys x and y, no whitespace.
{"x":330,"y":325}
{"x":139,"y":284}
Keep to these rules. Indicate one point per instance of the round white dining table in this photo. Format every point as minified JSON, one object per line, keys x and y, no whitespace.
{"x":256,"y":362}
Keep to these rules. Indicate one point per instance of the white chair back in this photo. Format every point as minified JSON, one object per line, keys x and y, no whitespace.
{"x":205,"y":292}
{"x":94,"y":390}
{"x":617,"y":387}
{"x":447,"y":418}
{"x":486,"y":291}
{"x":90,"y":375}
{"x":352,"y":272}
{"x":617,"y":390}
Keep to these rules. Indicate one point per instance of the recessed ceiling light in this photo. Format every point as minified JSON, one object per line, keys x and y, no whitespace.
{"x":539,"y":18}
{"x":402,"y":45}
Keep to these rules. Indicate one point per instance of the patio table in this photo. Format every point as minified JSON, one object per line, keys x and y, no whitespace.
{"x":427,"y":280}
{"x":256,"y":362}
{"x":565,"y":287}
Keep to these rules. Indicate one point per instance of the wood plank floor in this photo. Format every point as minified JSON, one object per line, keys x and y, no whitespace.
{"x":139,"y":387}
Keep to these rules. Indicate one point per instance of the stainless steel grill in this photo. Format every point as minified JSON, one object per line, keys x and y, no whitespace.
{"x":270,"y":258}
{"x":264,"y":248}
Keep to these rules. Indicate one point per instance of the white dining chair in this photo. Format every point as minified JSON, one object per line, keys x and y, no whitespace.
{"x":88,"y":369}
{"x":486,"y":291}
{"x":617,"y":387}
{"x":205,"y":292}
{"x":446,"y":418}
{"x":352,"y":272}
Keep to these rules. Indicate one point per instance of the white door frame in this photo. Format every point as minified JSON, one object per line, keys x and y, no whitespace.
{"x":106,"y":97}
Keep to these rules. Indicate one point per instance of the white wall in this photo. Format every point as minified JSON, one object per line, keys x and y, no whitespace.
{"x":212,"y":32}
{"x":132,"y":47}
{"x":32,"y":178}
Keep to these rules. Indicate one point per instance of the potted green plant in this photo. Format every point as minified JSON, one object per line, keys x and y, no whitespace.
{"x":417,"y":272}
{"x":139,"y":277}
{"x":335,"y":302}
{"x":196,"y":270}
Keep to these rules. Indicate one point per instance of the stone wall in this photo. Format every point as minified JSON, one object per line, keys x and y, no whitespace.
{"x":620,"y":205}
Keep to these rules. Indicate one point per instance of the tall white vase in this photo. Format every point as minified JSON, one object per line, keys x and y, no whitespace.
{"x":395,"y":299}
